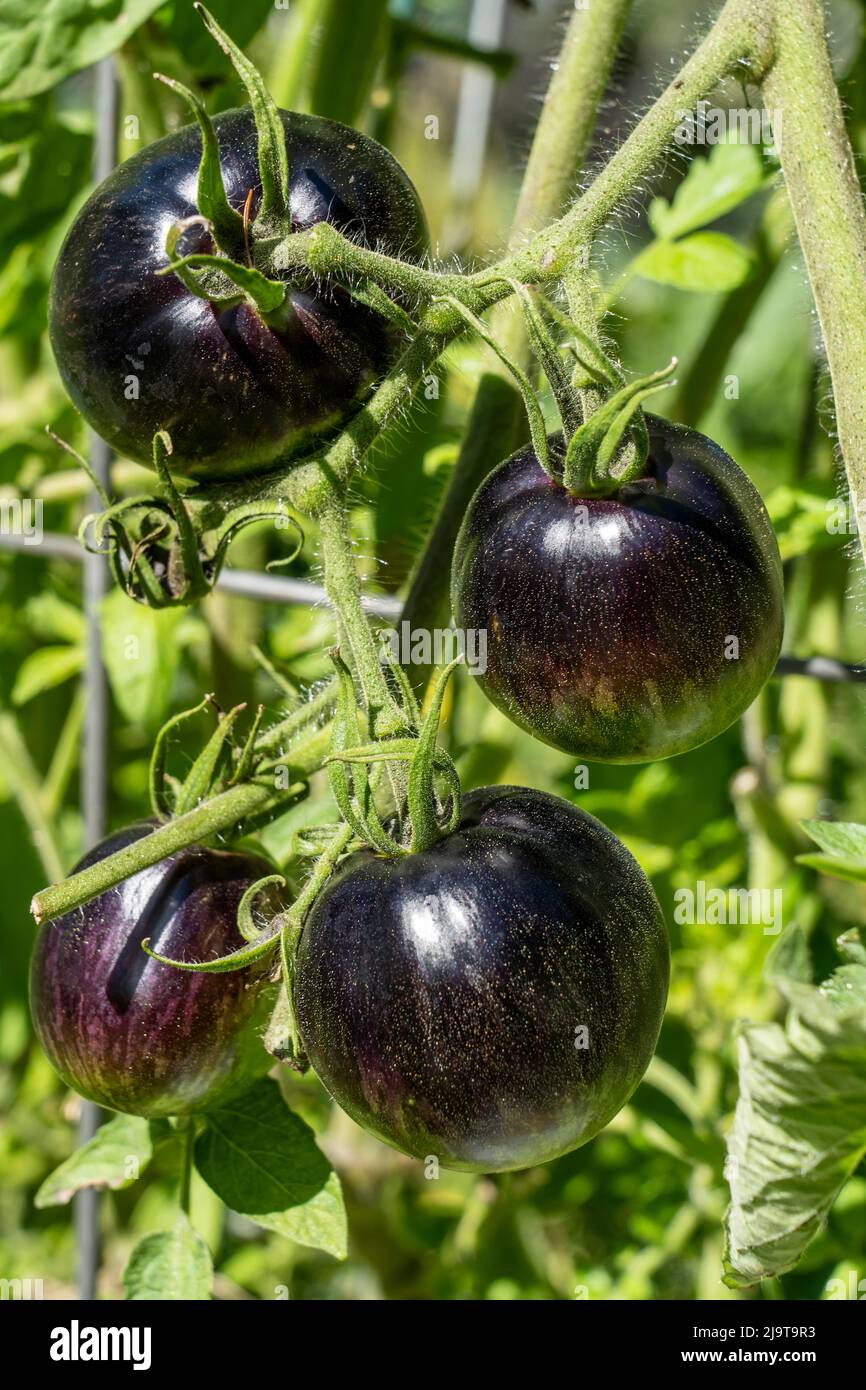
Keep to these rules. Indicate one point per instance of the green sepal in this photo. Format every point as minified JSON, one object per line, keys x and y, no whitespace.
{"x":213,"y":203}
{"x":246,"y":761}
{"x":159,"y":757}
{"x":200,"y":781}
{"x":352,"y":791}
{"x":182,"y":266}
{"x":593,"y":447}
{"x":273,"y":156}
{"x":421,"y":793}
{"x":268,"y":296}
{"x":246,"y":926}
{"x":550,"y":359}
{"x":532,"y":405}
{"x":222,"y":965}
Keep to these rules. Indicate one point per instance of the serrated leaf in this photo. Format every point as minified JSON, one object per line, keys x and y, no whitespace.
{"x":44,"y":670}
{"x":114,"y":1158}
{"x":141,"y":655}
{"x":170,"y":1265}
{"x":712,"y":187}
{"x":43,"y":41}
{"x":800,"y":1125}
{"x":263,"y":1161}
{"x":707,"y":262}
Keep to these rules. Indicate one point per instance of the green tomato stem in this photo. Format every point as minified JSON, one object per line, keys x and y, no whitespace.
{"x":827,"y":204}
{"x":343,"y":587}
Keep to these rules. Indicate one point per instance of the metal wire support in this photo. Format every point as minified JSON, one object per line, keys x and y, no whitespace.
{"x":95,"y":745}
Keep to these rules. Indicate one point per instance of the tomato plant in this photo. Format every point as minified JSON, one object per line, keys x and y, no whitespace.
{"x":534,"y":678}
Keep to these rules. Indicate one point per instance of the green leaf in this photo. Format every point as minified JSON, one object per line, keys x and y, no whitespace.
{"x":114,"y":1158}
{"x":263,"y":1161}
{"x":170,"y":1265}
{"x":711,"y":188}
{"x":42,"y":173}
{"x":708,"y":262}
{"x":141,"y":656}
{"x":846,"y":839}
{"x":835,"y":866}
{"x":41,"y":43}
{"x":53,"y":619}
{"x":800,"y":1125}
{"x":44,"y":669}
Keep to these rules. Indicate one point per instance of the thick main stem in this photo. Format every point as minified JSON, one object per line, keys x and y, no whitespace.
{"x":343,"y":587}
{"x":828,"y":211}
{"x":559,"y":149}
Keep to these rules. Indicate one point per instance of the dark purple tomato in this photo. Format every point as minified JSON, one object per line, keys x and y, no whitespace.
{"x":493,"y":1001}
{"x":129,"y":1032}
{"x":625,"y":627}
{"x":139,"y":352}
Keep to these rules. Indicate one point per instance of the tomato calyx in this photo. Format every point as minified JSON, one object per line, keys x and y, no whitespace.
{"x":607,"y":440}
{"x":164,"y":553}
{"x":231,"y":276}
{"x":421,"y":766}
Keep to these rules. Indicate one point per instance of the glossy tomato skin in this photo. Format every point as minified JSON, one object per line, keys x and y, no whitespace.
{"x":440,"y":996}
{"x":611,"y":621}
{"x":139,"y":352}
{"x":133,"y":1034}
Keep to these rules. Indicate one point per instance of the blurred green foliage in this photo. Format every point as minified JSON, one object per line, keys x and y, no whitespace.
{"x":638,"y":1213}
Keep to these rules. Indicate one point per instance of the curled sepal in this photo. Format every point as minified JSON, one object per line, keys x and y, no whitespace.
{"x":532,"y":405}
{"x":421,"y":791}
{"x":350,"y":784}
{"x":213,"y":203}
{"x":222,"y":965}
{"x":246,"y":924}
{"x":187,"y":541}
{"x":273,"y":156}
{"x":203,"y":779}
{"x":96,"y":481}
{"x":158,"y":779}
{"x":183,"y":266}
{"x":269,"y":297}
{"x":593,"y":448}
{"x":246,"y":515}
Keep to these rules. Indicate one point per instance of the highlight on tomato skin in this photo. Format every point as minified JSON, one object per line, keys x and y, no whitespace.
{"x":130,"y":1032}
{"x":492,"y":1001}
{"x":139,"y":352}
{"x":630,"y":626}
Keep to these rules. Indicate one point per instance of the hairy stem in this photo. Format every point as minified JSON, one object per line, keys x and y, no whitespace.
{"x":496,"y":424}
{"x":343,"y":587}
{"x":819,"y":171}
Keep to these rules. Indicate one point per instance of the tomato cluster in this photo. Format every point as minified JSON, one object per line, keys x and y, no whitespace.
{"x":494,"y":999}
